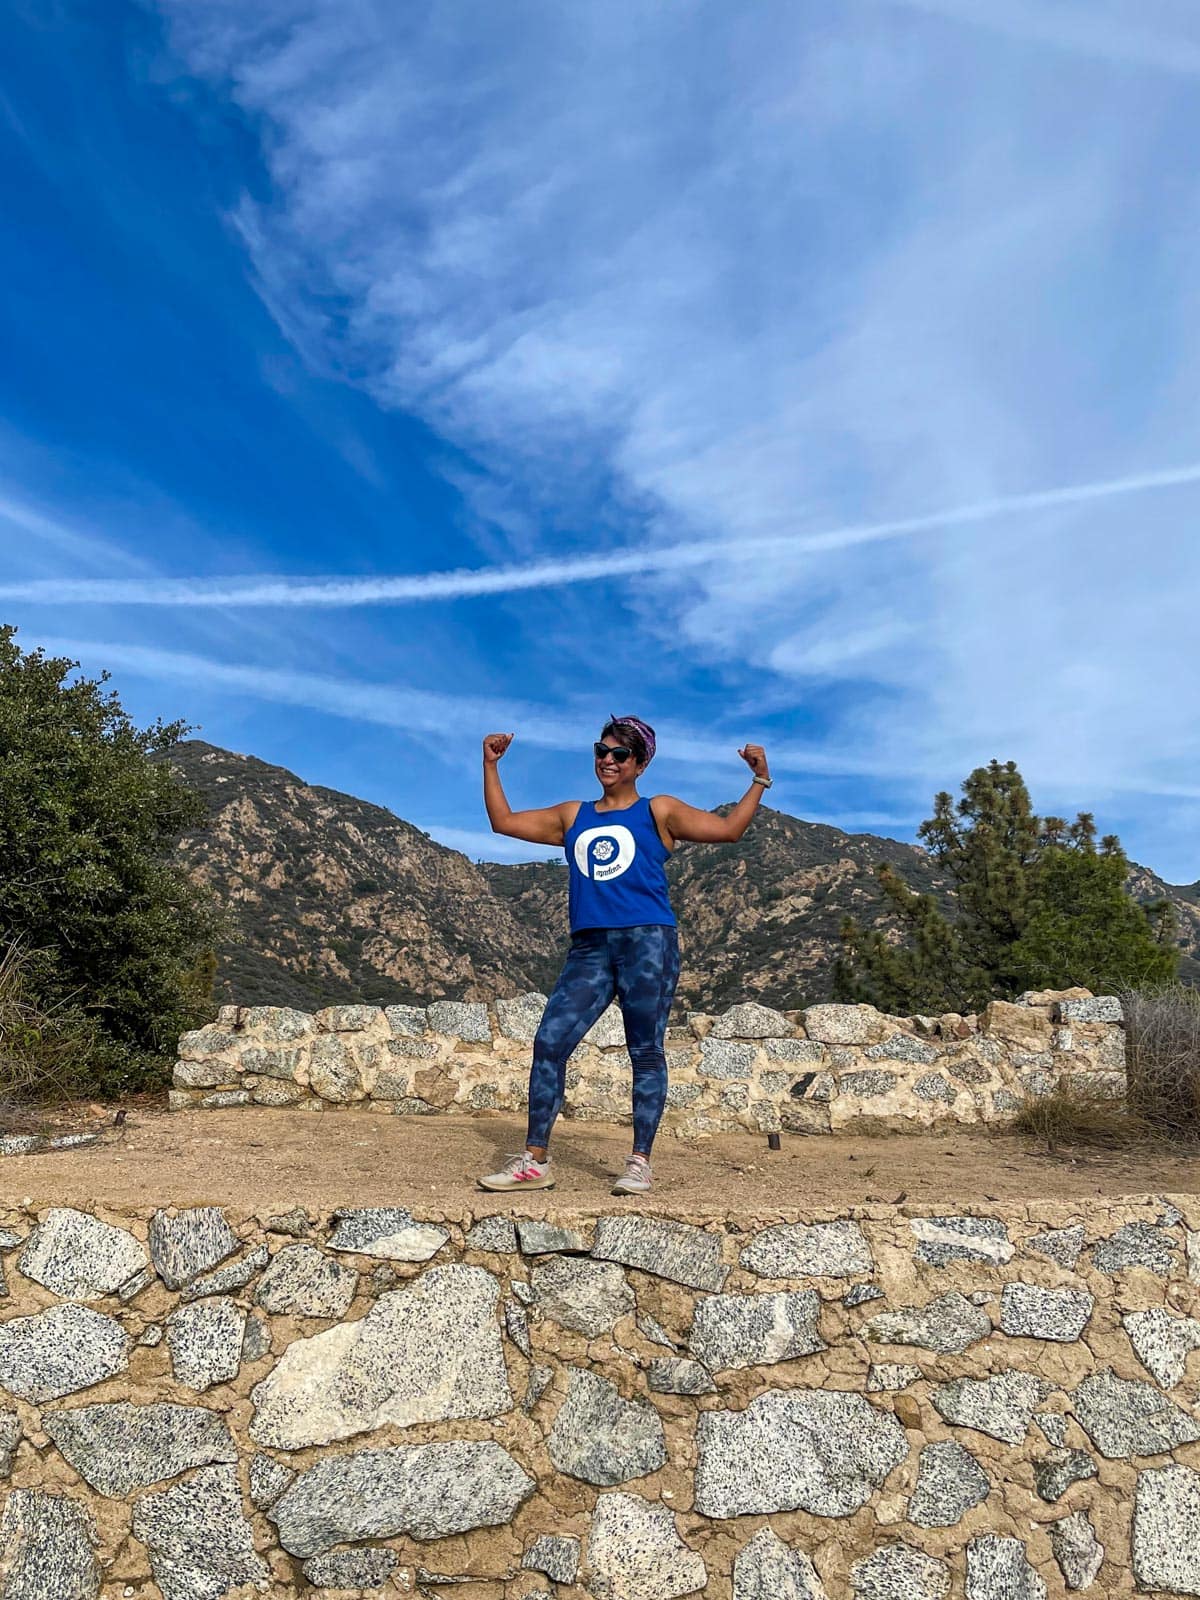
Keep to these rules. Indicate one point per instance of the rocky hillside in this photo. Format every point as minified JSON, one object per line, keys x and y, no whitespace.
{"x":332,"y":899}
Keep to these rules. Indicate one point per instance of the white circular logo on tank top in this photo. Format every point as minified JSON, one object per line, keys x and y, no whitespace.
{"x":604,"y":853}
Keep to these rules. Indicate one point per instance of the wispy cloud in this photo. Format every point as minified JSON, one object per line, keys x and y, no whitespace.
{"x":464,"y":584}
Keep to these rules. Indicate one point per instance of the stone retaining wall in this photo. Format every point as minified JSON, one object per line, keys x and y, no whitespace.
{"x":882,"y":1404}
{"x":811,"y":1071}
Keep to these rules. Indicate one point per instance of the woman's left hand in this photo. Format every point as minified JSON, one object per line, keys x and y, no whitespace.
{"x":755,"y":758}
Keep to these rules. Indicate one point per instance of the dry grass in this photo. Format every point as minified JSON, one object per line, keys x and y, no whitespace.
{"x":1162,"y":1049}
{"x":1082,"y":1112}
{"x":40,"y":1046}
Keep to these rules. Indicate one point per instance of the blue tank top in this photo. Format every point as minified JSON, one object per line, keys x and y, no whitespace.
{"x":616,"y":862}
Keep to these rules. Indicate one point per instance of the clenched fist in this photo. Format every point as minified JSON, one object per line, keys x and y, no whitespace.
{"x":755,"y":758}
{"x":494,"y":747}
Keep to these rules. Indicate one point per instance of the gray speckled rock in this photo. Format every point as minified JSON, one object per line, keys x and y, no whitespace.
{"x":184,"y":1246}
{"x":1099,"y":1008}
{"x":406,"y":1021}
{"x":304,"y":1282}
{"x":809,"y":1250}
{"x":60,"y":1351}
{"x":554,"y":1554}
{"x":677,"y":1375}
{"x":1053,"y":1426}
{"x":1125,"y":1418}
{"x":430,"y":1352}
{"x":516,"y":1325}
{"x":749,"y":1020}
{"x":1001,"y":1406}
{"x":1031,"y":1311}
{"x":497,"y":1235}
{"x":539,"y":1238}
{"x":268,"y":1479}
{"x":521,"y":1017}
{"x":201,"y":1545}
{"x":902,"y":1047}
{"x":225,"y":1280}
{"x":119,"y":1446}
{"x":1060,"y":1244}
{"x":75,"y":1255}
{"x":1077,"y":1550}
{"x":588,"y":1297}
{"x":608,"y":1031}
{"x":338,"y":1071}
{"x":1166,"y":1530}
{"x":427,"y":1490}
{"x":1162,"y":1342}
{"x":821,"y":1451}
{"x":886,"y":1377}
{"x":867,"y":1084}
{"x":256,"y":1342}
{"x":837,"y":1024}
{"x":1137,"y":1244}
{"x":387,"y":1231}
{"x":932,"y":1086}
{"x":347,"y":1019}
{"x":540,"y":1379}
{"x":351,"y":1569}
{"x":205,"y":1341}
{"x":999,"y":1569}
{"x":1054,"y":1474}
{"x":768,"y":1569}
{"x":950,"y":1324}
{"x":46,"y":1548}
{"x":634,"y":1552}
{"x":726,"y":1058}
{"x":10,"y":1438}
{"x":941,"y":1240}
{"x":807,"y":1050}
{"x":949,"y":1482}
{"x":754,"y":1330}
{"x":898,"y":1572}
{"x":860,"y":1293}
{"x":460,"y":1019}
{"x":673,"y":1250}
{"x":602,"y":1438}
{"x":278,"y":1024}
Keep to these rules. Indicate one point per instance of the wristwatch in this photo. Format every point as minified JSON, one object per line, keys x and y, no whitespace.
{"x":766,"y":782}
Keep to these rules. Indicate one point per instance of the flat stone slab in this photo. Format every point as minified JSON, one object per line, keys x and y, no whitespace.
{"x":602,"y":1438}
{"x":539,"y":1238}
{"x":200,"y":1543}
{"x":1138,"y":1244}
{"x":809,"y":1250}
{"x":837,"y":1024}
{"x":426,"y":1353}
{"x":351,"y":1569}
{"x":119,"y":1446}
{"x":1031,"y":1311}
{"x":886,"y":1377}
{"x":677,"y":1375}
{"x":749,"y":1020}
{"x":753,"y":1330}
{"x":821,"y":1451}
{"x":768,"y":1569}
{"x":726,"y":1058}
{"x":495,"y":1234}
{"x":78,"y":1257}
{"x":1162,"y":1342}
{"x":1000,"y":1569}
{"x":950,"y":1324}
{"x":1059,"y":1244}
{"x":460,"y":1019}
{"x":588,"y":1297}
{"x":302,"y":1281}
{"x":1001,"y":1406}
{"x":427,"y":1490}
{"x":898,"y":1572}
{"x":521,"y":1017}
{"x":46,"y":1548}
{"x":386,"y":1231}
{"x":1077,"y":1550}
{"x":192,"y":1242}
{"x":1126,"y":1418}
{"x":556,"y":1555}
{"x":673,"y":1250}
{"x":949,"y":1482}
{"x":1099,"y":1008}
{"x":60,"y":1351}
{"x":268,"y":1479}
{"x":634,"y":1552}
{"x":1054,"y":1474}
{"x":1166,"y":1530}
{"x":205,"y":1342}
{"x":941,"y":1240}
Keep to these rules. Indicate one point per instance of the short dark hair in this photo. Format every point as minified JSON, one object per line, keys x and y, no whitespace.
{"x":631,"y":736}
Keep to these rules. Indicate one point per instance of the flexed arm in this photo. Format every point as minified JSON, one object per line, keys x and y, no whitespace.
{"x":707,"y":827}
{"x":546,"y":826}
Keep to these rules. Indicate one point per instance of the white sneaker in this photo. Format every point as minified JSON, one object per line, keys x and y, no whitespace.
{"x":636,"y":1177}
{"x":520,"y":1171}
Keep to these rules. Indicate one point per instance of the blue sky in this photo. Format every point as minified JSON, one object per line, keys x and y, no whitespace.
{"x":820,"y":373}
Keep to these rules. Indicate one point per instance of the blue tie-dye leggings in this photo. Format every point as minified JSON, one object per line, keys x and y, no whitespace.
{"x":640,"y":968}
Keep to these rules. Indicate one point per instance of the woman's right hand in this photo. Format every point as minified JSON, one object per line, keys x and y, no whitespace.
{"x":494,"y":747}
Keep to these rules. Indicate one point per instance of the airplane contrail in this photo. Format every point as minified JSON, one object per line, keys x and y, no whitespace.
{"x":463,"y":583}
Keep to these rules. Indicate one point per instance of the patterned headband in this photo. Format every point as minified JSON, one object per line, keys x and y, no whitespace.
{"x":643,"y":729}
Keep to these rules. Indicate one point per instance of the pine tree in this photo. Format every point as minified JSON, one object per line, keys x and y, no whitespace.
{"x":1037,"y":906}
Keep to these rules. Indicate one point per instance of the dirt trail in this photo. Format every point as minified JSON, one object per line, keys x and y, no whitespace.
{"x":251,"y":1160}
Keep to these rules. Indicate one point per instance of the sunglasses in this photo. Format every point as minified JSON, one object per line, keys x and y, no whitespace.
{"x":618,"y":752}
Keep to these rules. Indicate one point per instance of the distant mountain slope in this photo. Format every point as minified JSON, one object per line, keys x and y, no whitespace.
{"x":334,"y":899}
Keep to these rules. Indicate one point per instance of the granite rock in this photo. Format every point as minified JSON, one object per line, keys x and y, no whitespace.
{"x":1166,"y":1529}
{"x":677,"y":1375}
{"x":351,"y":1569}
{"x":941,"y":1240}
{"x":537,"y":1237}
{"x":556,"y":1555}
{"x":602,"y":1438}
{"x":837,"y":1024}
{"x":520,"y":1017}
{"x":459,"y":1019}
{"x":768,"y":1569}
{"x":726,"y":1058}
{"x":119,"y":1446}
{"x":78,"y":1257}
{"x":634,"y":1552}
{"x":1099,"y":1008}
{"x":1137,"y":1244}
{"x":589,"y":1297}
{"x":749,"y":1020}
{"x":809,"y":1250}
{"x":304,"y":1282}
{"x":225,"y":1280}
{"x":1060,"y":1244}
{"x":386,"y":1231}
{"x":1031,"y":1311}
{"x":268,"y":1479}
{"x":205,"y":1341}
{"x":888,"y":1377}
{"x":497,"y":1235}
{"x":189,"y":1243}
{"x":10,"y":1438}
{"x":60,"y":1351}
{"x":1077,"y":1550}
{"x":753,"y":1330}
{"x":673,"y":1250}
{"x":950,"y":1324}
{"x":1054,"y":1474}
{"x":1162,"y":1342}
{"x":949,"y":1482}
{"x":1124,"y":1417}
{"x":999,"y":1569}
{"x":1000,"y":1406}
{"x":898,"y":1572}
{"x":46,"y":1548}
{"x":201,"y":1545}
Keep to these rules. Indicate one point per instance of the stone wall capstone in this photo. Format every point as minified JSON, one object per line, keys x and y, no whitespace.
{"x":818,"y":1070}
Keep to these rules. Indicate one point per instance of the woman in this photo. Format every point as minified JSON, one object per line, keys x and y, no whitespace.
{"x":623,"y":938}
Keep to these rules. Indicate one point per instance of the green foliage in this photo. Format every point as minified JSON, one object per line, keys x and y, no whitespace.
{"x":1038,"y":906}
{"x":120,"y":936}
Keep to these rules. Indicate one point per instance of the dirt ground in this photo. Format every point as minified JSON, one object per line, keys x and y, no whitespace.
{"x":254,"y":1160}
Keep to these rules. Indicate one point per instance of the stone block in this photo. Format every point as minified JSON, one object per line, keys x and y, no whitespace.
{"x":1097,"y":1008}
{"x":999,"y":1569}
{"x":1001,"y":1406}
{"x":1031,"y":1311}
{"x":60,"y":1351}
{"x":949,"y":1482}
{"x":726,"y":1058}
{"x":119,"y":1447}
{"x":1125,"y":1418}
{"x":750,"y":1020}
{"x":602,"y":1438}
{"x":278,"y":1024}
{"x":941,"y":1240}
{"x":205,"y":1341}
{"x":753,"y":1330}
{"x":78,"y":1257}
{"x":948,"y":1325}
{"x":407,"y":1021}
{"x":1166,"y":1530}
{"x":47,"y":1542}
{"x":461,"y":1019}
{"x":304,"y":1282}
{"x":1017,"y":1026}
{"x":768,"y":1569}
{"x":200,"y":1543}
{"x":673,"y":1250}
{"x":347,"y":1019}
{"x":588,"y":1297}
{"x":634,"y":1552}
{"x":809,"y":1250}
{"x":521,"y":1017}
{"x":189,"y":1243}
{"x":899,"y":1572}
{"x":835,"y":1024}
{"x":389,"y":1232}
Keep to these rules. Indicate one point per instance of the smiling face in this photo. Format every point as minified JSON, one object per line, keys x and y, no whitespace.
{"x":613,"y":773}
